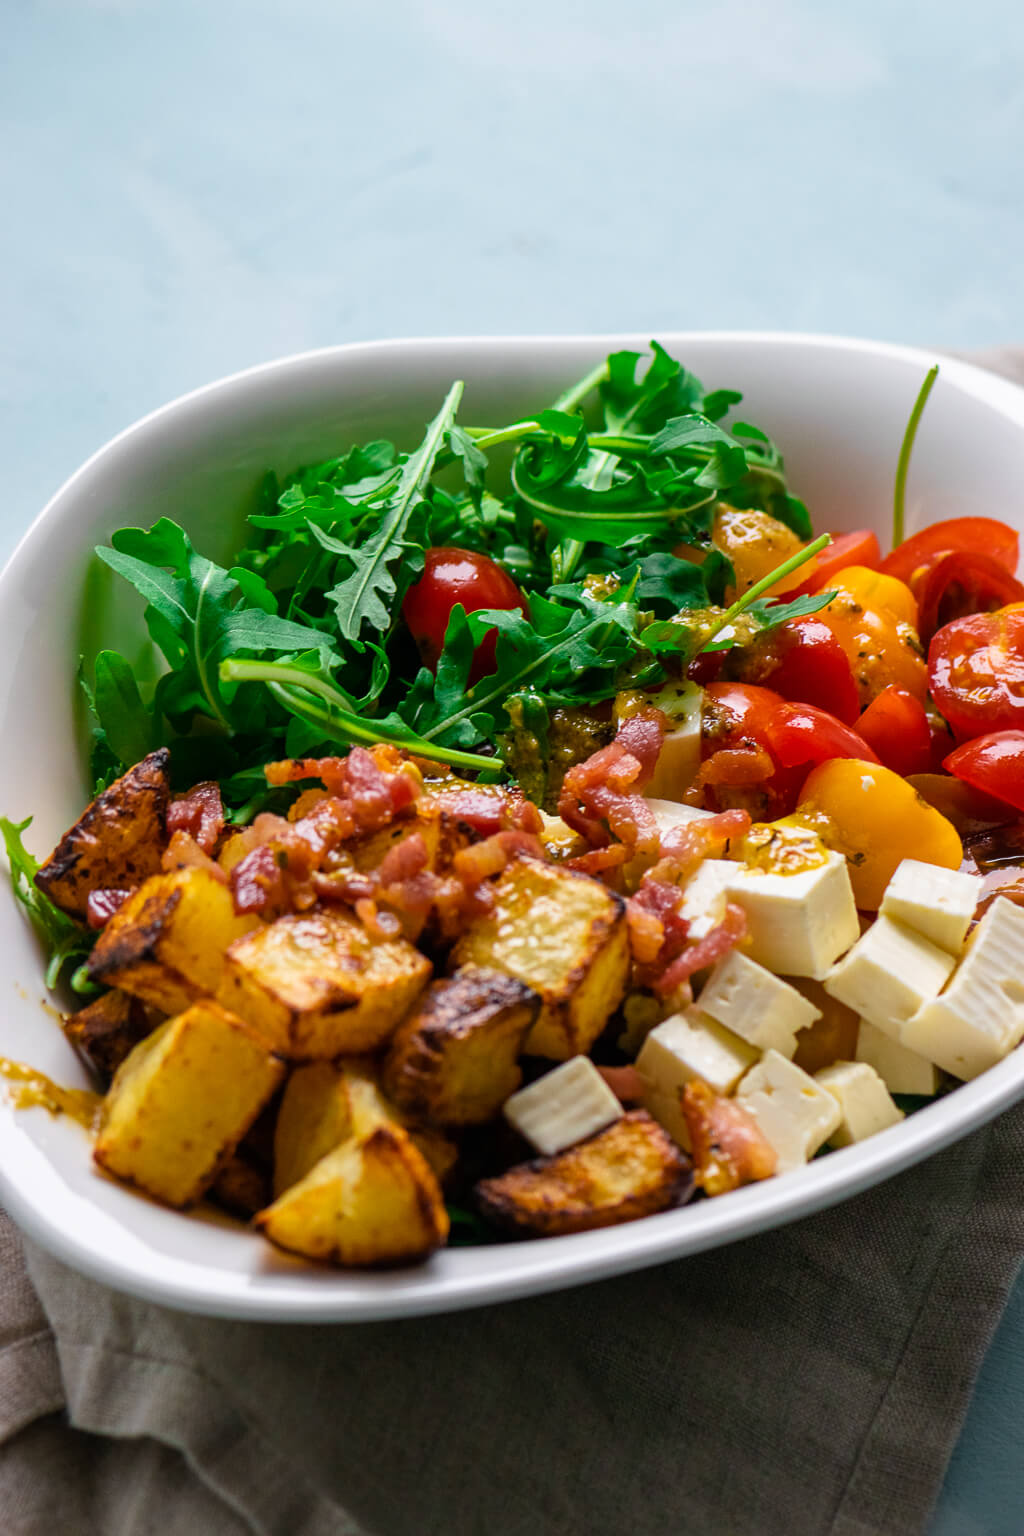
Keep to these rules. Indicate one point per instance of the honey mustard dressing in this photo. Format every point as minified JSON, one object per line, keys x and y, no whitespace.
{"x":30,"y":1089}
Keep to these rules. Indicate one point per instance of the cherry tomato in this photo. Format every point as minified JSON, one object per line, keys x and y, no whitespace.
{"x":896,"y":726}
{"x":803,"y":661}
{"x":453,"y":576}
{"x":957,"y":535}
{"x":994,"y":764}
{"x":873,"y":616}
{"x":962,"y":583}
{"x":755,"y":543}
{"x":734,"y":727}
{"x":976,"y":668}
{"x":799,"y":733}
{"x":858,"y":548}
{"x":736,"y":714}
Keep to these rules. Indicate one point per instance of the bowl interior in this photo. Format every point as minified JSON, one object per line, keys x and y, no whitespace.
{"x":838,"y":410}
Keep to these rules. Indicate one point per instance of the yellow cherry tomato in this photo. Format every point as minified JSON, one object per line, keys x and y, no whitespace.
{"x":756,"y":544}
{"x":876,"y":819}
{"x":873,"y":616}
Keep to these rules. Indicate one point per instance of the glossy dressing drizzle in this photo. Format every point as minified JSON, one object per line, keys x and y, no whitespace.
{"x":30,"y":1089}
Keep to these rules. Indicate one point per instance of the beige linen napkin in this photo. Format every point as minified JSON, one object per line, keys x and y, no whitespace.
{"x":811,"y":1380}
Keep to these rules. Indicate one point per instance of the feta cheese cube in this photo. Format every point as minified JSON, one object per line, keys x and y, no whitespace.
{"x":679,"y":759}
{"x":888,"y":974}
{"x":798,"y":924}
{"x":686,"y":1046}
{"x":563,"y":1107}
{"x":901,"y":1071}
{"x":792,"y":1111}
{"x":704,"y":896}
{"x":864,"y":1101}
{"x":979,"y":1018}
{"x":756,"y":1005}
{"x":936,"y":903}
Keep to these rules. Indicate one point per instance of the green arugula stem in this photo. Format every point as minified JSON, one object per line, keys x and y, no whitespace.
{"x":906,"y":449}
{"x":574,"y":396}
{"x":792,"y":564}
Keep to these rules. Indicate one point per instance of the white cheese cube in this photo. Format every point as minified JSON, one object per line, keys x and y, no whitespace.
{"x":979,"y":1018}
{"x":670,"y":813}
{"x":759,"y":1007}
{"x":864,"y":1101}
{"x":901,"y":1071}
{"x":798,"y":924}
{"x":564,"y":1106}
{"x":679,"y":759}
{"x":937,"y":903}
{"x":793,"y":1112}
{"x":888,"y":974}
{"x":686,"y":1046}
{"x":704,"y":897}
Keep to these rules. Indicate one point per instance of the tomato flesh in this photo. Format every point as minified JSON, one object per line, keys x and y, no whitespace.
{"x":858,"y":548}
{"x":799,"y":733}
{"x":457,"y":576}
{"x":971,"y":535}
{"x":803,"y":661}
{"x":959,"y":584}
{"x":976,"y":670}
{"x":896,"y":726}
{"x":994,"y":764}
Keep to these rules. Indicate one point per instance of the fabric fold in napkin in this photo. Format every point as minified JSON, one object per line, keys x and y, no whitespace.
{"x":811,"y":1380}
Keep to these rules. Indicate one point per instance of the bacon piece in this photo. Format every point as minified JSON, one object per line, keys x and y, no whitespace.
{"x":183,"y":852}
{"x":200,"y":813}
{"x":734,"y":766}
{"x":728,"y":1146}
{"x":696,"y":957}
{"x":627,"y":1084}
{"x":643,"y":735}
{"x":598,"y":860}
{"x":103,"y":903}
{"x":374,"y":785}
{"x":646,"y":931}
{"x":257,"y":881}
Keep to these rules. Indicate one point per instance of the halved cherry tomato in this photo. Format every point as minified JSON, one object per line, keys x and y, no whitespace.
{"x":858,"y":548}
{"x":976,"y":669}
{"x":799,"y":733}
{"x":453,"y":576}
{"x":736,"y":714}
{"x":994,"y":764}
{"x":739,"y":767}
{"x":874,"y":618}
{"x":804,"y":662}
{"x":896,"y":725}
{"x":962,"y":583}
{"x":955,"y":535}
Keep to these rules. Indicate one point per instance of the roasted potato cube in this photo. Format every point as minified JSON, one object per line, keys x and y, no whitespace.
{"x":182,"y":1101}
{"x":564,"y":935}
{"x":632,"y":1169}
{"x":167,"y":943}
{"x":116,"y":843}
{"x":107,"y":1030}
{"x":318,"y":985}
{"x":373,"y":1200}
{"x":326,"y":1103}
{"x":454,"y":1059}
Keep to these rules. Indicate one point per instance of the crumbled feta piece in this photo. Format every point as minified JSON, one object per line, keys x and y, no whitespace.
{"x":979,"y":1018}
{"x":564,"y":1106}
{"x":755,"y":1004}
{"x":901,"y":1071}
{"x":679,"y":759}
{"x":792,"y":1111}
{"x":888,"y":974}
{"x":798,"y":924}
{"x":864,"y":1101}
{"x":704,"y":897}
{"x":936,"y":903}
{"x":686,"y":1046}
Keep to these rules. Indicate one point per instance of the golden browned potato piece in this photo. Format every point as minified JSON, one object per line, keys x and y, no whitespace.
{"x":182,"y":1101}
{"x":105,"y":1031}
{"x":373,"y":1200}
{"x":632,"y":1169}
{"x":564,"y":935}
{"x":318,"y":985}
{"x":167,"y":943}
{"x":116,"y":843}
{"x":326,"y":1103}
{"x":453,"y":1060}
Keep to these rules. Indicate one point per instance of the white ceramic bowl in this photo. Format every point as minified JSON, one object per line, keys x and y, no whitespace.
{"x":838,"y":409}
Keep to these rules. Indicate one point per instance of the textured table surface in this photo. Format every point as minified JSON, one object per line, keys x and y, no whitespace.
{"x":191,"y":188}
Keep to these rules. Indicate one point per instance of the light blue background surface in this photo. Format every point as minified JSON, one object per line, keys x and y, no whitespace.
{"x":190,"y":187}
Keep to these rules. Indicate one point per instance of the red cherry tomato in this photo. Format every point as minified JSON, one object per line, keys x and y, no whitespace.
{"x":896,"y":726}
{"x":973,"y":535}
{"x":994,"y":764}
{"x":799,"y":733}
{"x":803,"y":661}
{"x":976,"y":671}
{"x":736,"y":715}
{"x":735,"y":720}
{"x":957,"y":584}
{"x":858,"y":548}
{"x":453,"y":576}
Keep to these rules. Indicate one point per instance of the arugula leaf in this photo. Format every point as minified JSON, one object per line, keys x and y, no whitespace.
{"x":129,"y":727}
{"x":66,"y":941}
{"x":667,"y":581}
{"x":362,"y":597}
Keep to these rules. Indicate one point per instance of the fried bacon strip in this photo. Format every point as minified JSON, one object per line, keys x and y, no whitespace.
{"x":200,"y":813}
{"x":601,"y":797}
{"x":728,"y":1147}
